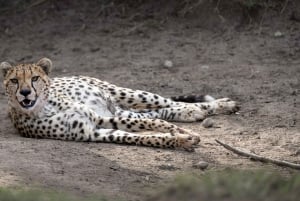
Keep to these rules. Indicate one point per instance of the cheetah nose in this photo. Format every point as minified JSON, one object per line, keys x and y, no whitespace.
{"x":25,"y":92}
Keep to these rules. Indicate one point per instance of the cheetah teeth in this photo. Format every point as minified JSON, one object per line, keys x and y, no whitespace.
{"x":26,"y":103}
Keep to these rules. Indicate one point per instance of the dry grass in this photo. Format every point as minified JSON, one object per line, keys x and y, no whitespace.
{"x":231,"y":185}
{"x":234,"y":185}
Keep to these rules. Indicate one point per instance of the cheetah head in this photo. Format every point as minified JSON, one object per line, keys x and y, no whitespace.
{"x":27,"y":85}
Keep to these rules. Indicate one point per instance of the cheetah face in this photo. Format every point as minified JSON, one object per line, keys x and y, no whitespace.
{"x":27,"y":84}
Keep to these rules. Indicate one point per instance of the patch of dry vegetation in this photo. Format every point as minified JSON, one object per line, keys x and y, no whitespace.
{"x":234,"y":185}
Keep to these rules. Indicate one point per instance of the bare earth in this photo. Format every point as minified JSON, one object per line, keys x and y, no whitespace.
{"x":243,"y":61}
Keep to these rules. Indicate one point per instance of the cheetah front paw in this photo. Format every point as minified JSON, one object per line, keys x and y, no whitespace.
{"x":225,"y":106}
{"x":187,"y":142}
{"x":187,"y":132}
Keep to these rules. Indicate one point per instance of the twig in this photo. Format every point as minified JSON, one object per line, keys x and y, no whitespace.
{"x":218,"y":11}
{"x":217,"y":6}
{"x":36,"y":3}
{"x":263,"y":15}
{"x":260,"y":158}
{"x":284,"y":6}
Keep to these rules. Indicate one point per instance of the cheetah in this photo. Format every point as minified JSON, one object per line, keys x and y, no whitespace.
{"x":82,"y":108}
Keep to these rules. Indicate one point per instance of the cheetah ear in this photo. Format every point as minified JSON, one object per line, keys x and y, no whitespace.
{"x":5,"y":67}
{"x":45,"y":64}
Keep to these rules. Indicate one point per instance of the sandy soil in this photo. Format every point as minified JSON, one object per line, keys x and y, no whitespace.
{"x":219,"y":54}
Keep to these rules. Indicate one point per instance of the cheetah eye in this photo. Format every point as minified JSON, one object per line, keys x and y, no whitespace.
{"x":35,"y":78}
{"x":14,"y":80}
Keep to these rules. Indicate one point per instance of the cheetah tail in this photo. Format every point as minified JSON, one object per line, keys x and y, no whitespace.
{"x":193,"y":98}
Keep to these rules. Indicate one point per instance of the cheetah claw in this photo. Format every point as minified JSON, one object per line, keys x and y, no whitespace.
{"x":188,"y":132}
{"x":187,"y":142}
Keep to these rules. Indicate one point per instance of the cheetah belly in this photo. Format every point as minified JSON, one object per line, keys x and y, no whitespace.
{"x":88,"y":95}
{"x":99,"y":106}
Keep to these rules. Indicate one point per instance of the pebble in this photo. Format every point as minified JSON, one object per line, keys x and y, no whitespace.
{"x":278,"y":34}
{"x":168,"y":64}
{"x":207,"y":123}
{"x":202,"y":165}
{"x":205,"y":66}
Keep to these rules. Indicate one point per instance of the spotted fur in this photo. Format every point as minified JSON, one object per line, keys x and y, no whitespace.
{"x":82,"y":108}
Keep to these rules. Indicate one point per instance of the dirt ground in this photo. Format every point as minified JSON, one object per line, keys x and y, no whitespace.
{"x":253,"y":59}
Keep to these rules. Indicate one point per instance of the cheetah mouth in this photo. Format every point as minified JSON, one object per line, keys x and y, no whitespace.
{"x":26,"y":103}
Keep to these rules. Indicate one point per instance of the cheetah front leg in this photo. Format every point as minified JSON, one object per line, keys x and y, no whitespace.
{"x":183,"y":138}
{"x":161,"y":140}
{"x":137,"y":124}
{"x":79,"y":127}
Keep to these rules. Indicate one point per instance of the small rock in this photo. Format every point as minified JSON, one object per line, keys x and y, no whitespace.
{"x":168,"y":64}
{"x":205,"y":66}
{"x":96,"y":49}
{"x":114,"y":167}
{"x":201,"y":165}
{"x":208,"y":123}
{"x":6,"y":31}
{"x":168,"y":166}
{"x":278,"y":34}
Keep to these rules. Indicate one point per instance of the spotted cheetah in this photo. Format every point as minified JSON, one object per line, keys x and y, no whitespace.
{"x":83,"y":108}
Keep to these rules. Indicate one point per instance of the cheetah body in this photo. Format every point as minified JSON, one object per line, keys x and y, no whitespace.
{"x":87,"y":109}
